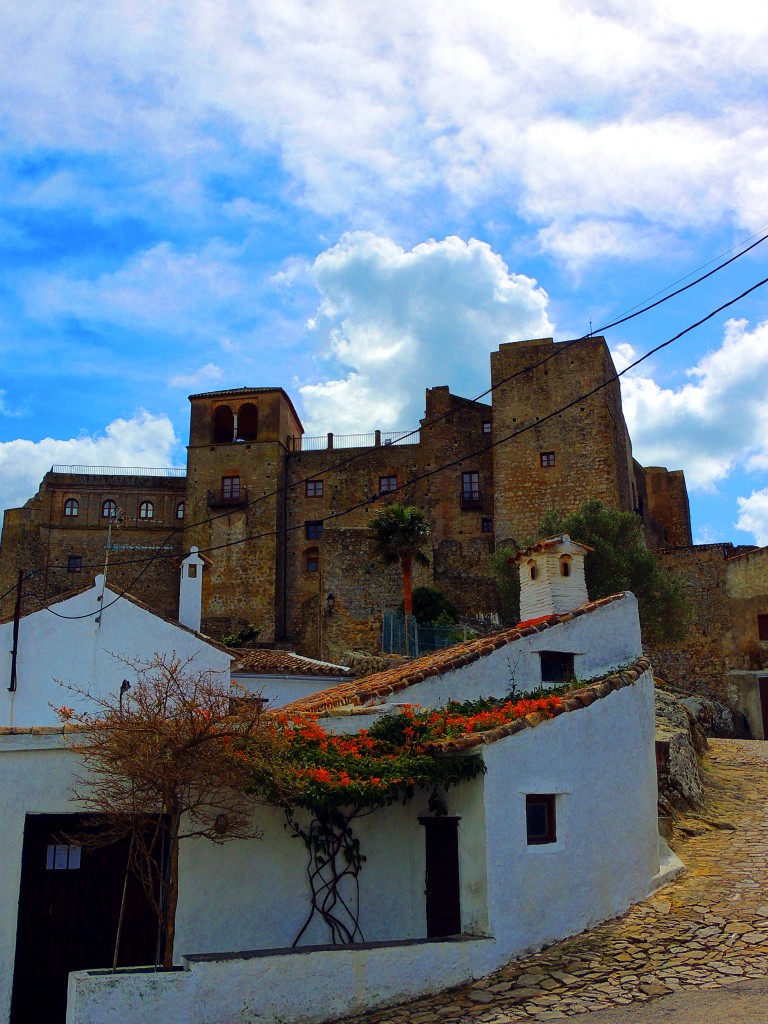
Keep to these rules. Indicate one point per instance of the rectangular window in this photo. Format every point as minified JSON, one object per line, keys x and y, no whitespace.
{"x":75,"y":563}
{"x":61,"y":857}
{"x":540,"y":821}
{"x":230,"y":488}
{"x":556,"y":666}
{"x":762,"y":627}
{"x":312,"y":560}
{"x":313,"y":530}
{"x":547,"y":458}
{"x":470,"y":490}
{"x":486,"y":426}
{"x":486,"y":525}
{"x":387,"y":484}
{"x":314,"y":488}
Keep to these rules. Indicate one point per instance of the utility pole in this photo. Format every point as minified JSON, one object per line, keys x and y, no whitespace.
{"x":16,"y":618}
{"x":118,"y":518}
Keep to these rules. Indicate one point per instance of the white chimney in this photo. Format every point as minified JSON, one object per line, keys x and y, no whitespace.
{"x":191,"y":589}
{"x":552,"y":577}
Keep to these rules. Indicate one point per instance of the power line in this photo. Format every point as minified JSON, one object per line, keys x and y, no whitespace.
{"x":557,"y":351}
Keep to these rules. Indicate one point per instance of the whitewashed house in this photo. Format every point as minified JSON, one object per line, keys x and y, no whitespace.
{"x":575,"y":791}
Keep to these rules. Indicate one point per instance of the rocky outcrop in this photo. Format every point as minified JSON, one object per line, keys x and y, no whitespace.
{"x":679,"y":741}
{"x":712,"y":717}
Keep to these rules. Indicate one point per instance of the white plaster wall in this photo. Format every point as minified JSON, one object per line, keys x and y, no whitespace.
{"x":282,"y":689}
{"x":600,"y":762}
{"x":601,"y":640}
{"x":80,"y":652}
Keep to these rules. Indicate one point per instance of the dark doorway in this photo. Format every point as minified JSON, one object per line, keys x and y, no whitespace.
{"x":762,"y":683}
{"x":69,"y":908}
{"x":442,"y":889}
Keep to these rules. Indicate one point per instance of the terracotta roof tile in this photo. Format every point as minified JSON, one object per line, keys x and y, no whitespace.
{"x":395,"y":680}
{"x":270,"y":662}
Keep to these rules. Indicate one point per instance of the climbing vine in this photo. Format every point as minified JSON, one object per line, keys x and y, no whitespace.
{"x":338,"y":779}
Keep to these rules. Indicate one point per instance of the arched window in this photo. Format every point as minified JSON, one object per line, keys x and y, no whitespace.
{"x":565,"y":565}
{"x":108,"y":509}
{"x":312,"y":560}
{"x":247,"y":419}
{"x":146,"y":510}
{"x":180,"y":510}
{"x":223,"y":425}
{"x":71,"y":507}
{"x":532,"y":569}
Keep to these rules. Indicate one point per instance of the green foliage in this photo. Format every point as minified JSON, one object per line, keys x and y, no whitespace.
{"x":621,"y":561}
{"x":399,"y":532}
{"x":507,"y":577}
{"x":242,"y":636}
{"x":430,"y":607}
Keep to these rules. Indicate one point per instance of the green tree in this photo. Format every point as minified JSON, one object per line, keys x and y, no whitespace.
{"x":399,"y":534}
{"x":507,"y":577}
{"x":430,"y":604}
{"x":621,"y":561}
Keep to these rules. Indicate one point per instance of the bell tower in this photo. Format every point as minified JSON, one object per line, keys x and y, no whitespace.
{"x":238,"y":443}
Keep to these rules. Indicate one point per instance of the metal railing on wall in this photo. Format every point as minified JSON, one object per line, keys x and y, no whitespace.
{"x":402,"y":634}
{"x":378,"y":439}
{"x":118,"y":471}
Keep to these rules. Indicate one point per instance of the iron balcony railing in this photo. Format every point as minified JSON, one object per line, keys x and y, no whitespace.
{"x":218,"y":499}
{"x":471,"y":499}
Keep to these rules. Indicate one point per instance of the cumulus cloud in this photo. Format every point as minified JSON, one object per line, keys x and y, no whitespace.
{"x":143,"y":440}
{"x":593,"y":111}
{"x":753,"y":515}
{"x":695,"y":427}
{"x":411,"y":318}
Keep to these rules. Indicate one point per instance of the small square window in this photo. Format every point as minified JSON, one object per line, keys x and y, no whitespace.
{"x":540,"y":823}
{"x":314,"y":488}
{"x":486,"y":426}
{"x":75,"y":563}
{"x":556,"y":666}
{"x":313,"y":530}
{"x":312,"y":560}
{"x":387,"y":484}
{"x":762,"y":627}
{"x":486,"y":525}
{"x":547,"y":458}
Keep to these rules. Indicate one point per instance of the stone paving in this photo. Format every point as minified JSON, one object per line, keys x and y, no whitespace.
{"x":706,"y":929}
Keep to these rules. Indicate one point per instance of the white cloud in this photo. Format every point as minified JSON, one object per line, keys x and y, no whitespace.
{"x":159,"y":289}
{"x":412,"y":318}
{"x":569,"y":111}
{"x":208,"y":374}
{"x":753,"y":515}
{"x":143,"y":440}
{"x":696,"y":427}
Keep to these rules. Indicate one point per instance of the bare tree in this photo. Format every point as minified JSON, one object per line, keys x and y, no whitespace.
{"x":167,"y":760}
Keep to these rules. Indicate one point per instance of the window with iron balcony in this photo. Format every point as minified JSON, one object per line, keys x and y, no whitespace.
{"x":230,"y":488}
{"x":470,"y":490}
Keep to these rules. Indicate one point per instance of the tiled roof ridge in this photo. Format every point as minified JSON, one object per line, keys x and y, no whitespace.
{"x":283,"y":661}
{"x":574,"y":701}
{"x":393,"y":680}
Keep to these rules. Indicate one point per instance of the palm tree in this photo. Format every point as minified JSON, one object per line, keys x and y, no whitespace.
{"x":399,"y":533}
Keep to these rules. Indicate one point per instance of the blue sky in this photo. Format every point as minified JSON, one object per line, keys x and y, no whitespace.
{"x":315,"y":196}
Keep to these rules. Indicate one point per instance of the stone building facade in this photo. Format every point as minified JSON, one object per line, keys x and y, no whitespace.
{"x":282,"y":518}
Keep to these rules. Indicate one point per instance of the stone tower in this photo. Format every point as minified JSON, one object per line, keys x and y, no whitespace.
{"x":238,"y":443}
{"x":574,"y":449}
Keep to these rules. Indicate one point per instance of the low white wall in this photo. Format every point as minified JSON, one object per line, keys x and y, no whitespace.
{"x":600,"y":763}
{"x":283,"y":689}
{"x":304,"y":986}
{"x":81,"y":652}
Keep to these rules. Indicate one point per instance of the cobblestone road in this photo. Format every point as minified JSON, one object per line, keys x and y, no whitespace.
{"x":706,"y":929}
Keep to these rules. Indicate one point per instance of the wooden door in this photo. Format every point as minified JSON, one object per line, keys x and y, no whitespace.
{"x":762,"y":683}
{"x":442,"y":888}
{"x":69,"y":908}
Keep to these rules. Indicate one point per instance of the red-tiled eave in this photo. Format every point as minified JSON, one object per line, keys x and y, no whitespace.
{"x":369,"y":689}
{"x":262,"y":661}
{"x":573,"y":701}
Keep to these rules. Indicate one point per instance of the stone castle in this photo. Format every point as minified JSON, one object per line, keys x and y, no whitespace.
{"x":281,"y":517}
